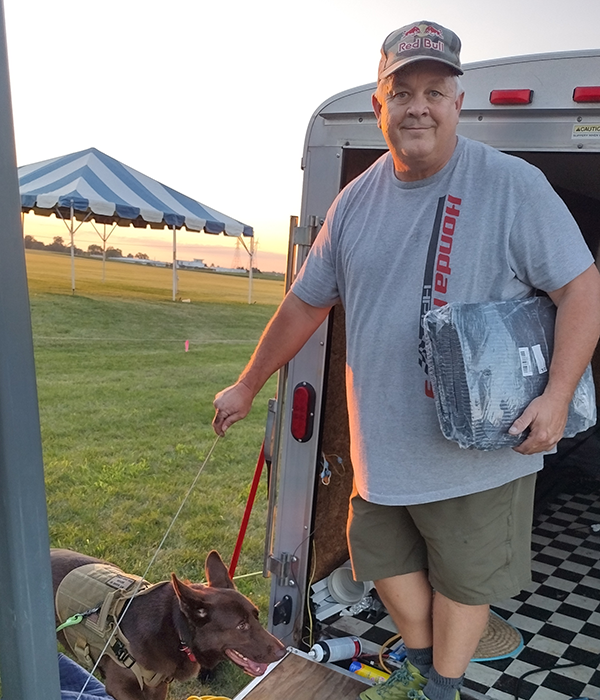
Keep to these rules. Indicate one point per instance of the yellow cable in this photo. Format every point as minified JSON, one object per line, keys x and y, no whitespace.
{"x":390,"y":641}
{"x":308,"y":610}
{"x":208,"y":697}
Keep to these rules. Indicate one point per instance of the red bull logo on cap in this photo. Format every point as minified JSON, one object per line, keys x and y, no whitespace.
{"x":424,"y":39}
{"x":415,"y":31}
{"x":421,"y":36}
{"x":434,"y":31}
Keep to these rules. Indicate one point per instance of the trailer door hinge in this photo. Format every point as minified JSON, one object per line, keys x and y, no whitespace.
{"x":305,"y":235}
{"x":282,"y":568}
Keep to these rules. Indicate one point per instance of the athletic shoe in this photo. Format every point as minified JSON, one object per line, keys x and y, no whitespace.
{"x":398,"y":685}
{"x":420,"y":695}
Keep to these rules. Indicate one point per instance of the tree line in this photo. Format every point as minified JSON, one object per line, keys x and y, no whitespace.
{"x":58,"y":246}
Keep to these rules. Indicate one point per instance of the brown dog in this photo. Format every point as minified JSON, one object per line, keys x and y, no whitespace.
{"x":174,"y":628}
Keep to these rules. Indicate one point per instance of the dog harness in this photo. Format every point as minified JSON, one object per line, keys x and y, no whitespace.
{"x":97,"y":593}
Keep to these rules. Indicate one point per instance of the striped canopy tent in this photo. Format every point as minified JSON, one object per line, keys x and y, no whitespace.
{"x":91,"y":186}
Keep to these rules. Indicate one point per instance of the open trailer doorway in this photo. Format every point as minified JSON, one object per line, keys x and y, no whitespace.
{"x":558,"y":616}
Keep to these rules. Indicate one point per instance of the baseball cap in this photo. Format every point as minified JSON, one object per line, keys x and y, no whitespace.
{"x":419,"y":41}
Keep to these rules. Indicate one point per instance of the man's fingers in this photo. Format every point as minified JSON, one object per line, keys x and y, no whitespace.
{"x":540,"y":439}
{"x":522,"y":423}
{"x":545,"y":419}
{"x":534,"y":444}
{"x":231,"y":405}
{"x":224,"y":419}
{"x":221,"y":422}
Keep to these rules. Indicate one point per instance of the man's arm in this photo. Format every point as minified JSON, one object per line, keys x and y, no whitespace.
{"x":575,"y":338}
{"x":289,"y":329}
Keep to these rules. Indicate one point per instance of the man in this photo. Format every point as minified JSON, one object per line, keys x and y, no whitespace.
{"x":77,"y":684}
{"x":437,"y":219}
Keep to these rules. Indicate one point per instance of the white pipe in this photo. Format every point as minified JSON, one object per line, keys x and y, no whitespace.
{"x":72,"y":251}
{"x":174,"y":263}
{"x":251,"y":253}
{"x":104,"y":255}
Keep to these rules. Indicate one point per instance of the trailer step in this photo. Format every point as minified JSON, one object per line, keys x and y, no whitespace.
{"x":298,"y":677}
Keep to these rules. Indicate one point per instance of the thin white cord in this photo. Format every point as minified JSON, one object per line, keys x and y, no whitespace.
{"x":254,"y":573}
{"x":139,"y":583}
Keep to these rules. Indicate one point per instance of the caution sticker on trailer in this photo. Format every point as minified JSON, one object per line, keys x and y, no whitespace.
{"x":586,"y":131}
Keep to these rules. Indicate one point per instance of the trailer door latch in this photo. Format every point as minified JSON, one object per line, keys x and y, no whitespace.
{"x":282,"y":568}
{"x":282,"y":611}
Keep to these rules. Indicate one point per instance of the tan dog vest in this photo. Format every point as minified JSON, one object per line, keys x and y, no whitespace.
{"x":100,"y":592}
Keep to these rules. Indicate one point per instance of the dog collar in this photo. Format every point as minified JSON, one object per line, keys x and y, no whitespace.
{"x":190,"y":654}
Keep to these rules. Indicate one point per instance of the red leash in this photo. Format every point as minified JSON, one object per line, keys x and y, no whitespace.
{"x":246,"y":518}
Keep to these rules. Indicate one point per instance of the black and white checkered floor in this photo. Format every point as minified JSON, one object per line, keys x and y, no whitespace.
{"x":558,"y":614}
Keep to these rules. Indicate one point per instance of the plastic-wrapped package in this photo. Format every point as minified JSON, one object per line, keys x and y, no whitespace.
{"x":488,"y":361}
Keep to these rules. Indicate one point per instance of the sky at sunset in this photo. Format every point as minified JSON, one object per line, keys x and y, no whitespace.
{"x":214,"y":98}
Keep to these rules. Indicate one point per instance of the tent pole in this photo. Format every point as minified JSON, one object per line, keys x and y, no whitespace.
{"x":251,"y":254}
{"x":72,"y":251}
{"x":103,"y":238}
{"x":250,"y":250}
{"x":104,"y":255}
{"x":28,"y":661}
{"x":174,"y":263}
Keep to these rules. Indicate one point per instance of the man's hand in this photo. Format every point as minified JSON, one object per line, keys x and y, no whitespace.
{"x":232,"y":404}
{"x":575,"y":337}
{"x":546,"y":418}
{"x":291,"y":326}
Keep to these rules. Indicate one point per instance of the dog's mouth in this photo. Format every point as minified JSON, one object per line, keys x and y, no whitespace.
{"x":253,"y":668}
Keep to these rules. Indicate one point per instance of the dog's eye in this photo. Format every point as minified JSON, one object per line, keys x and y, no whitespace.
{"x":244,"y":626}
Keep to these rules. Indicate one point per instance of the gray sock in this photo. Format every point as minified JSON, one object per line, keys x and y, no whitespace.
{"x":422,"y":659}
{"x":441,"y":687}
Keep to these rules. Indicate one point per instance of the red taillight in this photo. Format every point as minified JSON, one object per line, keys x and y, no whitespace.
{"x":511,"y":97}
{"x":587,"y":94}
{"x":303,"y":412}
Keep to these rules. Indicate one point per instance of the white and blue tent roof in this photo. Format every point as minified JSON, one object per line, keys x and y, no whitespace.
{"x":101,"y":188}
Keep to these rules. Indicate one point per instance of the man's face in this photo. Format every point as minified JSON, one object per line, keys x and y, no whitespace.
{"x":418,"y":118}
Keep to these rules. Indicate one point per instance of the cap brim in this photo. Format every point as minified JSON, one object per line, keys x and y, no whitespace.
{"x":413,"y":59}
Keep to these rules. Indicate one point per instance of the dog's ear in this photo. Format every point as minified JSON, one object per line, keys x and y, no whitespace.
{"x":191,"y":600}
{"x":216,"y":572}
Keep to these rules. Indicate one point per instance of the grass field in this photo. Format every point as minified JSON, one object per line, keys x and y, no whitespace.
{"x":51,"y":273}
{"x":125,"y":414}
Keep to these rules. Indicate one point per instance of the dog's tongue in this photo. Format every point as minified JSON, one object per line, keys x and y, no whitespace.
{"x":254,"y":668}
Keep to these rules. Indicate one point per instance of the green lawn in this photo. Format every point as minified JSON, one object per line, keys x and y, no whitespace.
{"x":51,"y":272}
{"x":126,"y":411}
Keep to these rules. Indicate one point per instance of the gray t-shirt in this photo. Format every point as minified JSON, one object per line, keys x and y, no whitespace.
{"x":487,"y":227}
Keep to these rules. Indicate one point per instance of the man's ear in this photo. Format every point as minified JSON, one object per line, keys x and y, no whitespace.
{"x":377,"y":108}
{"x":459,"y":102}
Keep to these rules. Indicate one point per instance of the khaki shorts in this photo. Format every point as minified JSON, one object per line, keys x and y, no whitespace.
{"x":477,"y":548}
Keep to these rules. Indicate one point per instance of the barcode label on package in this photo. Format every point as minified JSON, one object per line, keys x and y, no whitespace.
{"x":526,"y":365}
{"x":540,"y":360}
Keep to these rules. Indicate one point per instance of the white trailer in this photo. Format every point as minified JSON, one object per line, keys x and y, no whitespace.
{"x":544,"y":108}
